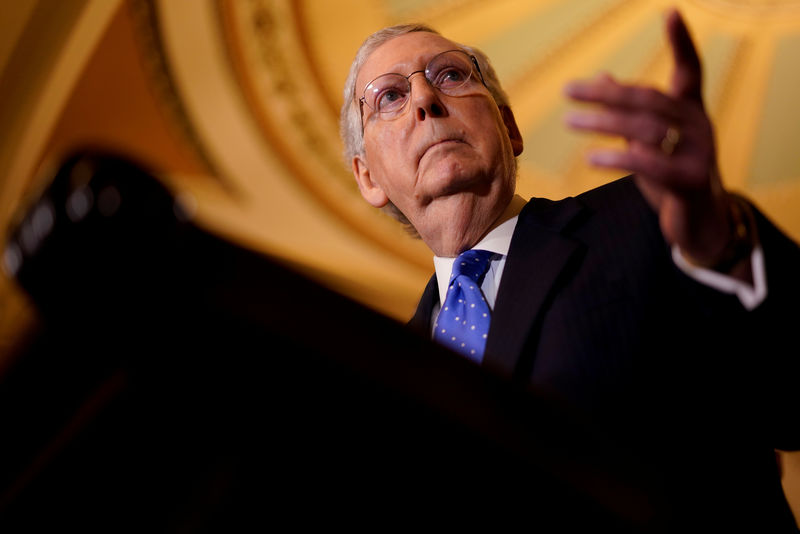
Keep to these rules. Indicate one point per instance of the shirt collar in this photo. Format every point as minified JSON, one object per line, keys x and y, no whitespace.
{"x":497,"y":241}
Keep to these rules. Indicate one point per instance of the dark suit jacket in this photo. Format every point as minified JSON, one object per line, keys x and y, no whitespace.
{"x":592,"y":309}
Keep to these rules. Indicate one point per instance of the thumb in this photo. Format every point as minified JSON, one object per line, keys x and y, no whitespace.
{"x":688,"y":75}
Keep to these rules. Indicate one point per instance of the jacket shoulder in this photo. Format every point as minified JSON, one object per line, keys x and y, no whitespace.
{"x":614,"y":203}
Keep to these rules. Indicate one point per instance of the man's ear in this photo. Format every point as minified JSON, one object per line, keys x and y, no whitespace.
{"x":513,"y":129}
{"x":370,"y":190}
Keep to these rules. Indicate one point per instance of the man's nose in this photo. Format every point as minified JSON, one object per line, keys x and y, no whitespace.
{"x":425,"y":98}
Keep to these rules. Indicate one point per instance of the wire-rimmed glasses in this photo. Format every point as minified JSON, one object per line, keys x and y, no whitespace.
{"x":451,"y":72}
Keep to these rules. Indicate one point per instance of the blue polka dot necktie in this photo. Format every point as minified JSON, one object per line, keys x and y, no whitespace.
{"x":463,"y":322}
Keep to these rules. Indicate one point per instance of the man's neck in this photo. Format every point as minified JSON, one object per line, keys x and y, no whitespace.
{"x":511,"y":210}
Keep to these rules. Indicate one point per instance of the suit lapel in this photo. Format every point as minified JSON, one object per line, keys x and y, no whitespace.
{"x":538,"y":254}
{"x":421,"y":322}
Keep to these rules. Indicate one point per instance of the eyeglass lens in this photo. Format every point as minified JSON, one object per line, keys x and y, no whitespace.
{"x":450,"y":72}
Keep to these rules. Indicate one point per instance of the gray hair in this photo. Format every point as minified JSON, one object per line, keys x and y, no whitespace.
{"x":350,"y":127}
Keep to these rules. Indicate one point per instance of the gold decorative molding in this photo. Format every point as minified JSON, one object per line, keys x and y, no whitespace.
{"x":144,"y":14}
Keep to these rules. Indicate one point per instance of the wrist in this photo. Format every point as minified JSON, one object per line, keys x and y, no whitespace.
{"x":741,"y":240}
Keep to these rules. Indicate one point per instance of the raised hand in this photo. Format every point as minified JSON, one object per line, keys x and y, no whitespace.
{"x":670,"y":148}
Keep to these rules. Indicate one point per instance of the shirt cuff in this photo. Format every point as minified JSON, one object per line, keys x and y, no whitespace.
{"x":750,"y":296}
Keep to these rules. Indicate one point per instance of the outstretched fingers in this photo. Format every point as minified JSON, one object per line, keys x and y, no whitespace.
{"x":606,"y":91}
{"x":643,"y":127}
{"x":638,"y":114}
{"x":650,"y":161}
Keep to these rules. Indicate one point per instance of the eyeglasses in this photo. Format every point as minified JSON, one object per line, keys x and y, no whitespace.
{"x":450,"y":72}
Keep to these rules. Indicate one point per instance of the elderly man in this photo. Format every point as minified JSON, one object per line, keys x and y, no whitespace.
{"x":643,"y":302}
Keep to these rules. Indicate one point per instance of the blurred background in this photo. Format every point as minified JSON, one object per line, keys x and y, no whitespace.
{"x":234,"y":105}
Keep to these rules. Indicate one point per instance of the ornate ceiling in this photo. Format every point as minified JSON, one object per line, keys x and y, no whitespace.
{"x":236,"y":103}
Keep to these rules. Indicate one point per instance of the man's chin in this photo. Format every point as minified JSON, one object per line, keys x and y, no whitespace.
{"x":443,"y":176}
{"x":463,"y":184}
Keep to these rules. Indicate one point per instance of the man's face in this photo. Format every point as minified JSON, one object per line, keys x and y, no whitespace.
{"x":446,"y":162}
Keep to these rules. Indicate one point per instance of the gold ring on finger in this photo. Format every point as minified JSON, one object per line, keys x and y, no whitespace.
{"x":670,"y":140}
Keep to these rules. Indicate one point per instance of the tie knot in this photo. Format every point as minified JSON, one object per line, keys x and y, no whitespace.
{"x":472,"y":263}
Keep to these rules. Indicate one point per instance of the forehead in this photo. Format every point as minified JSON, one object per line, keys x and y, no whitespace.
{"x":403,"y":54}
